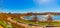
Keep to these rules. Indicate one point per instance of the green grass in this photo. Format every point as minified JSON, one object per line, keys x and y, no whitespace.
{"x":24,"y":21}
{"x":5,"y":25}
{"x":39,"y":23}
{"x":42,"y":23}
{"x":56,"y":23}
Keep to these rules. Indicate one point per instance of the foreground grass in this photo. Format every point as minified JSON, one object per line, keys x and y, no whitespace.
{"x":5,"y":24}
{"x":39,"y":23}
{"x":24,"y":21}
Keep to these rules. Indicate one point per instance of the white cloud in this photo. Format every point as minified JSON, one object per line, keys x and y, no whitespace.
{"x":45,"y":2}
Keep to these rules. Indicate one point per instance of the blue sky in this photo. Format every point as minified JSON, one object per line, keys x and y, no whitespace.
{"x":22,"y":6}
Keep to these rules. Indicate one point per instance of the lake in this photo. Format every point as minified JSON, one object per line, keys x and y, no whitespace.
{"x":43,"y":17}
{"x":52,"y":27}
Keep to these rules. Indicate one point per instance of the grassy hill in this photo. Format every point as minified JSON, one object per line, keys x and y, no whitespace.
{"x":4,"y":16}
{"x":5,"y":24}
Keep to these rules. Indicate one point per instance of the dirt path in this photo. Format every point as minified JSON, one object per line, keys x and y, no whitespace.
{"x":15,"y":24}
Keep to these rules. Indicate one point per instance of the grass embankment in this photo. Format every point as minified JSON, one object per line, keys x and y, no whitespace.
{"x":55,"y":23}
{"x":23,"y":21}
{"x":5,"y":24}
{"x":39,"y":23}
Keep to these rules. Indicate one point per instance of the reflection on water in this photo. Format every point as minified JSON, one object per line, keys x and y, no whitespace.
{"x":52,"y":27}
{"x":42,"y":17}
{"x":57,"y":17}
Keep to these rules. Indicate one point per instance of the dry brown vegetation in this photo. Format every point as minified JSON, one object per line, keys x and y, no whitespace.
{"x":4,"y":16}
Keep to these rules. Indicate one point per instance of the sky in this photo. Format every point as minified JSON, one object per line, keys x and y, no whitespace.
{"x":23,"y":6}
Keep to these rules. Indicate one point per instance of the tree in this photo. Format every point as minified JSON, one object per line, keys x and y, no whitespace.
{"x":9,"y":13}
{"x":49,"y":19}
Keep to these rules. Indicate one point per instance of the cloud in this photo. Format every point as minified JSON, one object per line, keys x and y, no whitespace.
{"x":45,"y":2}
